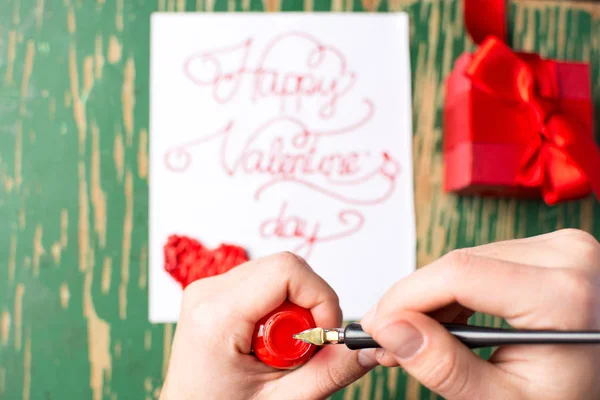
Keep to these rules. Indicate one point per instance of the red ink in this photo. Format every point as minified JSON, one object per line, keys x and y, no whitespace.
{"x":187,"y":260}
{"x":302,"y":147}
{"x":286,"y":226}
{"x":390,"y":167}
{"x":179,"y":159}
{"x":284,"y":150}
{"x":313,"y":78}
{"x":293,"y":155}
{"x":221,"y":81}
{"x":272,"y":341}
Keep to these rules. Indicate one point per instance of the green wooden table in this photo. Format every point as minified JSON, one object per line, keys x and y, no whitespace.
{"x":74,"y":100}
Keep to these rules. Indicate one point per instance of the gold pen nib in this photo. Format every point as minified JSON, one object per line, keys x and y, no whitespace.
{"x":314,"y":336}
{"x":319,"y":336}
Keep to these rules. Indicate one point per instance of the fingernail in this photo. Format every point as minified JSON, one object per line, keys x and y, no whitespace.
{"x":367,"y":359}
{"x":402,"y":339}
{"x":379,"y":353}
{"x":366,"y":320}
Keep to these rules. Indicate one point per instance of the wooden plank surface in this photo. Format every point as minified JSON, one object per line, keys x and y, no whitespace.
{"x":74,"y":181}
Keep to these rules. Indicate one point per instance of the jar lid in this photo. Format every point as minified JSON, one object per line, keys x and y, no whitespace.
{"x":279,"y":331}
{"x":273,"y":342}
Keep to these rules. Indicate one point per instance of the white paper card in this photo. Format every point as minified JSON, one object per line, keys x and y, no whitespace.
{"x":284,"y":132}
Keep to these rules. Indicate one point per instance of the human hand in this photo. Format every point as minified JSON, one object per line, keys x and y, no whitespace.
{"x":545,"y":282}
{"x":211,"y":357}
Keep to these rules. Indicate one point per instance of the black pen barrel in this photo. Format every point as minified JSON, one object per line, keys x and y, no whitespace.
{"x":475,"y":336}
{"x":355,"y":338}
{"x":478,"y":336}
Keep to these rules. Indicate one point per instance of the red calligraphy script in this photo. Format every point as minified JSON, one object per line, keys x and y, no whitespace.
{"x":284,"y":149}
{"x":321,"y":72}
{"x":288,"y":226}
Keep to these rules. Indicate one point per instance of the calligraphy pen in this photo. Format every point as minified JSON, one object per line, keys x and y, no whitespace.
{"x":472,"y":336}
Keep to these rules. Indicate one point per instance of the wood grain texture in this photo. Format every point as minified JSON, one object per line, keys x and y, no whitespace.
{"x":74,"y":192}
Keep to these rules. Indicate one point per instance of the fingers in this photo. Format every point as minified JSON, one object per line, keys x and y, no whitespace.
{"x":330,"y":370}
{"x":452,"y":313}
{"x":437,"y":359}
{"x":255,"y":288}
{"x":236,"y":300}
{"x":517,"y":280}
{"x":560,"y":249}
{"x":482,"y":284}
{"x":523,"y":294}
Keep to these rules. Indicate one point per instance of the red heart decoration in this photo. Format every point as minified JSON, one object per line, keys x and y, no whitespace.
{"x":187,"y":260}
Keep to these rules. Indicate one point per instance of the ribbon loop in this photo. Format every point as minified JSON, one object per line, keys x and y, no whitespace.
{"x":561,"y":157}
{"x":513,"y":82}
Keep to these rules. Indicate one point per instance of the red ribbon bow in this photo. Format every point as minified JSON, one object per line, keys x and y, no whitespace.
{"x":561,"y":158}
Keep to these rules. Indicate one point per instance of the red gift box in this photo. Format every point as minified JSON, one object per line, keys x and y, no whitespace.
{"x":518,"y":125}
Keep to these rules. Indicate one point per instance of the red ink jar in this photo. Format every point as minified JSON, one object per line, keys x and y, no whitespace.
{"x":273,"y":343}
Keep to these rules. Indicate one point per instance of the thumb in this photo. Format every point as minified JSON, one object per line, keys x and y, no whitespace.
{"x":428,"y":352}
{"x":331,"y":369}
